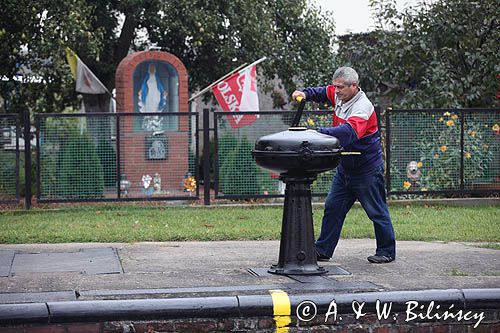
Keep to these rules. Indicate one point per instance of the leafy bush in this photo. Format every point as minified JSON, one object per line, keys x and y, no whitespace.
{"x":238,"y":172}
{"x":80,"y":173}
{"x":226,"y":145}
{"x":7,"y":172}
{"x":440,"y":153}
{"x":107,"y":157}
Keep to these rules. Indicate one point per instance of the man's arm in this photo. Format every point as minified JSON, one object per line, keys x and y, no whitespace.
{"x":344,"y":132}
{"x":316,"y":94}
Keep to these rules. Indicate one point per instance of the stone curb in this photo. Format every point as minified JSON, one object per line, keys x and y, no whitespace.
{"x":236,"y":306}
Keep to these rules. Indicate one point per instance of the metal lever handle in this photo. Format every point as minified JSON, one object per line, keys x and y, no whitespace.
{"x":296,"y":118}
{"x":350,"y":153}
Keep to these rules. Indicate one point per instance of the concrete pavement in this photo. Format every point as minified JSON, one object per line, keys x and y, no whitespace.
{"x":95,"y":271}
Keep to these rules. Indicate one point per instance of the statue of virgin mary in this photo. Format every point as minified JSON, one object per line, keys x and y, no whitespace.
{"x":152,"y":98}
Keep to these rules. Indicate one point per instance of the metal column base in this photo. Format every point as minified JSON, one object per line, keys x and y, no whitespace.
{"x":299,"y":270}
{"x":297,"y":252}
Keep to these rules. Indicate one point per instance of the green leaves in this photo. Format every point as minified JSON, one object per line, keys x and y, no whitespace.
{"x":210,"y":37}
{"x":443,"y":54}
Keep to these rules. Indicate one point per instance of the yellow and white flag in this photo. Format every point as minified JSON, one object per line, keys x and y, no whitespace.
{"x":86,"y":81}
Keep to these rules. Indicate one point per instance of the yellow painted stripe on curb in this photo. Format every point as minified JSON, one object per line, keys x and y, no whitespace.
{"x":282,"y":310}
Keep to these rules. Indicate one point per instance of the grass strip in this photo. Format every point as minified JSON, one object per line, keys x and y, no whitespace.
{"x":109,"y":223}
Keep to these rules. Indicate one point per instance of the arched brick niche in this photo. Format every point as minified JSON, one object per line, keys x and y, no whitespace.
{"x":125,"y":72}
{"x":142,"y":131}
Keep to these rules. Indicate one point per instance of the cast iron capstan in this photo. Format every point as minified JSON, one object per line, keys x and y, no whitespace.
{"x":298,"y":155}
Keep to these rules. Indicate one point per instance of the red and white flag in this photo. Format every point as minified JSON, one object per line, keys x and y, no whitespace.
{"x":238,"y":92}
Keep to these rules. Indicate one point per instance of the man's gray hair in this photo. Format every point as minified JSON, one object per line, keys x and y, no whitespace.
{"x":347,"y":73}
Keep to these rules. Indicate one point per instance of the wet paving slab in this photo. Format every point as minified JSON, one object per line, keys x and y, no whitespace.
{"x":84,"y":261}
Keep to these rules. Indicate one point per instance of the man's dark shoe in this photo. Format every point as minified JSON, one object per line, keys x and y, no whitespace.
{"x":376,"y":259}
{"x":321,"y":257}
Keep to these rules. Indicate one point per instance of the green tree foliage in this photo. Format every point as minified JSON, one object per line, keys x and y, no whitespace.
{"x":219,"y":35}
{"x":438,"y":54}
{"x":211,"y":38}
{"x":32,"y":39}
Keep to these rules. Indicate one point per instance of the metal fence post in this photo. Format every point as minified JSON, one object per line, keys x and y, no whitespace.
{"x":18,"y":182}
{"x":216,"y":155}
{"x":118,"y":157}
{"x":388,"y":149}
{"x":206,"y":156}
{"x":462,"y":129}
{"x":27,"y":159}
{"x":38,"y":125}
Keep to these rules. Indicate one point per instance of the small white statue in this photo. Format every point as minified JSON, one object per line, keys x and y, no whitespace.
{"x":157,"y":183}
{"x":146,"y":183}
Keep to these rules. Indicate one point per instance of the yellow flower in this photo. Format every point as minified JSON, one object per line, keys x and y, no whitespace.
{"x":454,"y":117}
{"x":420,"y":164}
{"x":436,"y":155}
{"x":447,"y":114}
{"x":450,"y":123}
{"x":441,"y":119}
{"x":473,"y":133}
{"x":423,"y":189}
{"x":468,"y":155}
{"x":310,"y":122}
{"x":190,"y":184}
{"x":406,"y":185}
{"x":443,"y":148}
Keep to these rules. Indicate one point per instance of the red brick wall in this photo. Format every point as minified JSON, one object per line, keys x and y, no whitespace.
{"x":135,"y":165}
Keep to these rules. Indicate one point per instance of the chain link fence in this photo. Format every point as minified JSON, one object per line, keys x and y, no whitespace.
{"x":127,"y":156}
{"x":9,"y":158}
{"x":443,"y":151}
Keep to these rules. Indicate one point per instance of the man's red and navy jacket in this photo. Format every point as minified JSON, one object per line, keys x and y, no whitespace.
{"x":355,"y":125}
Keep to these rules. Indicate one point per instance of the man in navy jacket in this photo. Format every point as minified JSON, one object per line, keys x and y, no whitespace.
{"x":358,"y":177}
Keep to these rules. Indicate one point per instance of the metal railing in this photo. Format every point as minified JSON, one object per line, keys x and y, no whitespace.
{"x":155,"y":156}
{"x":117,"y":156}
{"x":236,"y":174}
{"x":443,"y":151}
{"x":9,"y":158}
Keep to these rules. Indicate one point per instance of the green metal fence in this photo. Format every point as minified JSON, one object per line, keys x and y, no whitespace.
{"x":139,"y":156}
{"x":237,"y":175}
{"x":443,"y":151}
{"x":105,"y":156}
{"x":9,"y":158}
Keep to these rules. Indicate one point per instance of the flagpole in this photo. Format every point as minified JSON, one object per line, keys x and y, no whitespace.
{"x":257,"y":61}
{"x":244,"y":66}
{"x":204,"y":90}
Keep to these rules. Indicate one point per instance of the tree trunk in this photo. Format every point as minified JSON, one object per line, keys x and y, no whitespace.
{"x":96,"y":103}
